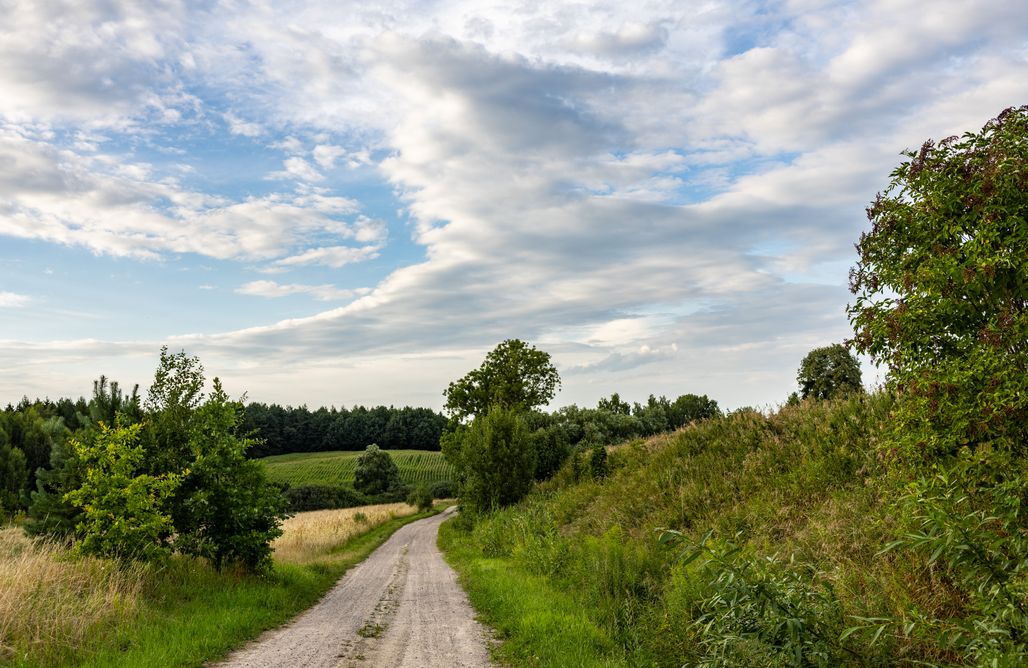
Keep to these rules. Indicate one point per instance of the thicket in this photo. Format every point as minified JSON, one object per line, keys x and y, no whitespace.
{"x":169,"y":476}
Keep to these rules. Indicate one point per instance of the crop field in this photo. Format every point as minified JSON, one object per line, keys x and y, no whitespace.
{"x":337,"y":468}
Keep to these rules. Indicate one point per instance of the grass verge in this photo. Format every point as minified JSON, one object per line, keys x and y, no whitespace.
{"x":184,"y":613}
{"x":539,"y":624}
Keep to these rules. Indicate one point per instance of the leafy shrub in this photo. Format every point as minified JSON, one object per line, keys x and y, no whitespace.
{"x":443,"y":490}
{"x":762,"y":610}
{"x":494,"y":458}
{"x":123,"y":514}
{"x":322,"y":497}
{"x":828,"y":373}
{"x":420,"y":497}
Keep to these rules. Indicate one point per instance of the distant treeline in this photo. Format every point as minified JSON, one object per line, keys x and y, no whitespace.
{"x":35,"y":431}
{"x":288,"y":429}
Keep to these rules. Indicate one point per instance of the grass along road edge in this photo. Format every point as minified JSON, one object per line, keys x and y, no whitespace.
{"x":188,"y":614}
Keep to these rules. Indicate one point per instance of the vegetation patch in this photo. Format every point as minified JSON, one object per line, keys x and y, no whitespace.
{"x":99,"y":612}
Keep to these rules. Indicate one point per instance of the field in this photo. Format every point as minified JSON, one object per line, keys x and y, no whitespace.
{"x":56,"y":610}
{"x":337,"y":468}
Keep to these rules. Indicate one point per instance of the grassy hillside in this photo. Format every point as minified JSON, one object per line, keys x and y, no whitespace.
{"x":337,"y":468}
{"x":780,"y":522}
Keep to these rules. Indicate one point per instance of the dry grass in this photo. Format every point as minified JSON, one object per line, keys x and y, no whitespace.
{"x":52,"y":602}
{"x":311,"y":536}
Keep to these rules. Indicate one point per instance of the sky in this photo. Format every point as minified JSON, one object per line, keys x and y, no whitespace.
{"x":337,"y":203}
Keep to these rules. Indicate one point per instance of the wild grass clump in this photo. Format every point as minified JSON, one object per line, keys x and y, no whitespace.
{"x":51,"y":604}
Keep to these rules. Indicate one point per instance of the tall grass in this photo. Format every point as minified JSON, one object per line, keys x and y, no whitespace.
{"x":51,"y":604}
{"x":776,"y":525}
{"x":310,"y":537}
{"x":58,"y":609}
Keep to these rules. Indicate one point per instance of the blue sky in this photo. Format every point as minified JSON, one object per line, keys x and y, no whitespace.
{"x":336,"y":203}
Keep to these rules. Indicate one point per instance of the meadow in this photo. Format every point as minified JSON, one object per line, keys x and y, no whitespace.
{"x":60,"y":609}
{"x":337,"y":468}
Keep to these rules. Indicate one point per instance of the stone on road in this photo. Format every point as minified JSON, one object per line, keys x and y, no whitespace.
{"x":401,"y":607}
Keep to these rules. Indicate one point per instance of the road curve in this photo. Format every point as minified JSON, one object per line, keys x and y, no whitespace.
{"x":401,"y":607}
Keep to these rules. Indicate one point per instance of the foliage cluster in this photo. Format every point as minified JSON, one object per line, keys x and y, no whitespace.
{"x":172,"y":476}
{"x":942,"y":299}
{"x":828,"y":373}
{"x":497,"y":457}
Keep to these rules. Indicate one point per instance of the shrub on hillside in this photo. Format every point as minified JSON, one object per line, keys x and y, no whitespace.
{"x":829,"y":372}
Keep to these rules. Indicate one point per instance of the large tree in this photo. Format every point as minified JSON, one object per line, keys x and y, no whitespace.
{"x":942,"y":288}
{"x":514,"y":375}
{"x":829,"y":372}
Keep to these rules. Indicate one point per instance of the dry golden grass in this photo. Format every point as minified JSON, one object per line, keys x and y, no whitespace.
{"x":311,"y":536}
{"x":48,"y":600}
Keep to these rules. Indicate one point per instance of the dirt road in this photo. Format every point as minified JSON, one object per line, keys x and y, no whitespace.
{"x":401,"y":607}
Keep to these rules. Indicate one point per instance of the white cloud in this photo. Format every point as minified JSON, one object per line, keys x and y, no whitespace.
{"x":272,"y":289}
{"x":13,"y":300}
{"x":331,"y":256}
{"x":238,"y":126}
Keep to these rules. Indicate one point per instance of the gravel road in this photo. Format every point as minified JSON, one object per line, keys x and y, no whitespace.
{"x":402,"y":606}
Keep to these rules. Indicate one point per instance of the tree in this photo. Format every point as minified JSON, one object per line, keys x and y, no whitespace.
{"x":829,"y":372}
{"x":513,"y":375}
{"x":494,"y":459}
{"x":941,"y":289}
{"x":226,"y":510}
{"x":376,"y":472}
{"x":173,"y":397}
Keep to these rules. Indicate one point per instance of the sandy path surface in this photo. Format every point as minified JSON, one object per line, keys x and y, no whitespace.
{"x":402,"y":606}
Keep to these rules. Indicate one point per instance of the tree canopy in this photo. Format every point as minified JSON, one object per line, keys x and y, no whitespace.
{"x":941,"y":287}
{"x":829,"y":372}
{"x":513,"y":375}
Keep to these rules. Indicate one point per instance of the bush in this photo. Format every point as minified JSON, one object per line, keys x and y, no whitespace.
{"x":598,"y":462}
{"x":443,"y":490}
{"x":124,"y":515}
{"x":829,"y":373}
{"x":420,"y":497}
{"x":322,"y":497}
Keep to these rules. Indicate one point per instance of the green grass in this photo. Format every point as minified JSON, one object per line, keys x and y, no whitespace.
{"x":193,"y":615}
{"x":799,"y":504}
{"x":337,"y":468}
{"x":539,"y":624}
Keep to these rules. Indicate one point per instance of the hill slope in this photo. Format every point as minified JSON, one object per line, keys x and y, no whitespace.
{"x":337,"y":468}
{"x":798,"y":506}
